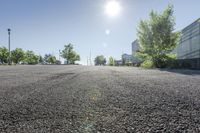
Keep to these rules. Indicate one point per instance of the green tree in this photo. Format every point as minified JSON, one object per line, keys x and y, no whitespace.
{"x":46,"y":56}
{"x":31,"y":57}
{"x":100,"y":60}
{"x":111,"y":61}
{"x":69,"y":54}
{"x":76,"y":57}
{"x":51,"y":59}
{"x":157,"y":38}
{"x":41,"y":59}
{"x":17,"y":55}
{"x":4,"y":54}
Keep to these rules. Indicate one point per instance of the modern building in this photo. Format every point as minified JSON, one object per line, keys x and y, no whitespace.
{"x":118,"y":62}
{"x":188,"y":48}
{"x":135,"y":48}
{"x":126,"y":58}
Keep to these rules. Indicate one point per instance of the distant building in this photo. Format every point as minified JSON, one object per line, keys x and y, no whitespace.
{"x":118,"y":62}
{"x":58,"y":62}
{"x":189,"y":45}
{"x":126,"y":58}
{"x":65,"y":62}
{"x":131,"y":59}
{"x":135,"y":48}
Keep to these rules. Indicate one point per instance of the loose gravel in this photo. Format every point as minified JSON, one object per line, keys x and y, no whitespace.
{"x":81,"y":99}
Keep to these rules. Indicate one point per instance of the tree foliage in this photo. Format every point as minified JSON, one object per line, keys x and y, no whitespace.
{"x":100,"y":60}
{"x":69,"y":54}
{"x":17,"y":55}
{"x":46,"y":56}
{"x":111,"y":61}
{"x":4,"y":54}
{"x":31,"y":57}
{"x":51,"y":59}
{"x":157,"y":38}
{"x":41,"y":59}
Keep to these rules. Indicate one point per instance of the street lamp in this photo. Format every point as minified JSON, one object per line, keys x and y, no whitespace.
{"x":9,"y":60}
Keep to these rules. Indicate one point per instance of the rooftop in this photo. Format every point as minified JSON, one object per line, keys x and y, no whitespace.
{"x":195,"y":22}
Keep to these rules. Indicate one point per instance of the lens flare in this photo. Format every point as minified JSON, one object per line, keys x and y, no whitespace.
{"x":113,"y":8}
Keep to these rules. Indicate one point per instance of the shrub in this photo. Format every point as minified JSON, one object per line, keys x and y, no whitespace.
{"x":147,"y":64}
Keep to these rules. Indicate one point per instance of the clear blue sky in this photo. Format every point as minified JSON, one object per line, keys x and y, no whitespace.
{"x":44,"y":26}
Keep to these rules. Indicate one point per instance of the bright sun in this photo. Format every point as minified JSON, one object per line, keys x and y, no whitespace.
{"x":113,"y":8}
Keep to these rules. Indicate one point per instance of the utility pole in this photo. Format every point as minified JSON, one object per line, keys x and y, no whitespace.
{"x":9,"y":60}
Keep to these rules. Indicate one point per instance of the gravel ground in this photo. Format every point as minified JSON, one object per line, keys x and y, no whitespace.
{"x":75,"y":99}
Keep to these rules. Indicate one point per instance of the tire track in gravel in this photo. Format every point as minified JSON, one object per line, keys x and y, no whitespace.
{"x":85,"y":94}
{"x":14,"y":92}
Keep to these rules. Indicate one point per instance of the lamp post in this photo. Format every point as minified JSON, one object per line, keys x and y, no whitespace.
{"x":9,"y":60}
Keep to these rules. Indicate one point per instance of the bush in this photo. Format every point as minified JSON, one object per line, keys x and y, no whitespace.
{"x":128,"y":64}
{"x":147,"y":64}
{"x":165,"y":61}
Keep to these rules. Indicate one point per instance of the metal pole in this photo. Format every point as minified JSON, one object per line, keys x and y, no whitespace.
{"x":9,"y":60}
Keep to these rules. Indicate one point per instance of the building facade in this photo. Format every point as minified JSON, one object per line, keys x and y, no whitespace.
{"x":126,"y":58}
{"x":188,"y":48}
{"x":118,"y":63}
{"x":135,"y":48}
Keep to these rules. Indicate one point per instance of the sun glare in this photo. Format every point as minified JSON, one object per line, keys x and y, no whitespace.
{"x":107,"y":32}
{"x":113,"y":8}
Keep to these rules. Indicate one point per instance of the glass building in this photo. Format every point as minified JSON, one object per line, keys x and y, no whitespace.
{"x":188,"y":49}
{"x":189,"y":46}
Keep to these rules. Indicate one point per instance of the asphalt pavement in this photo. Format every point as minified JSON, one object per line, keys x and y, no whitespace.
{"x":88,"y":99}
